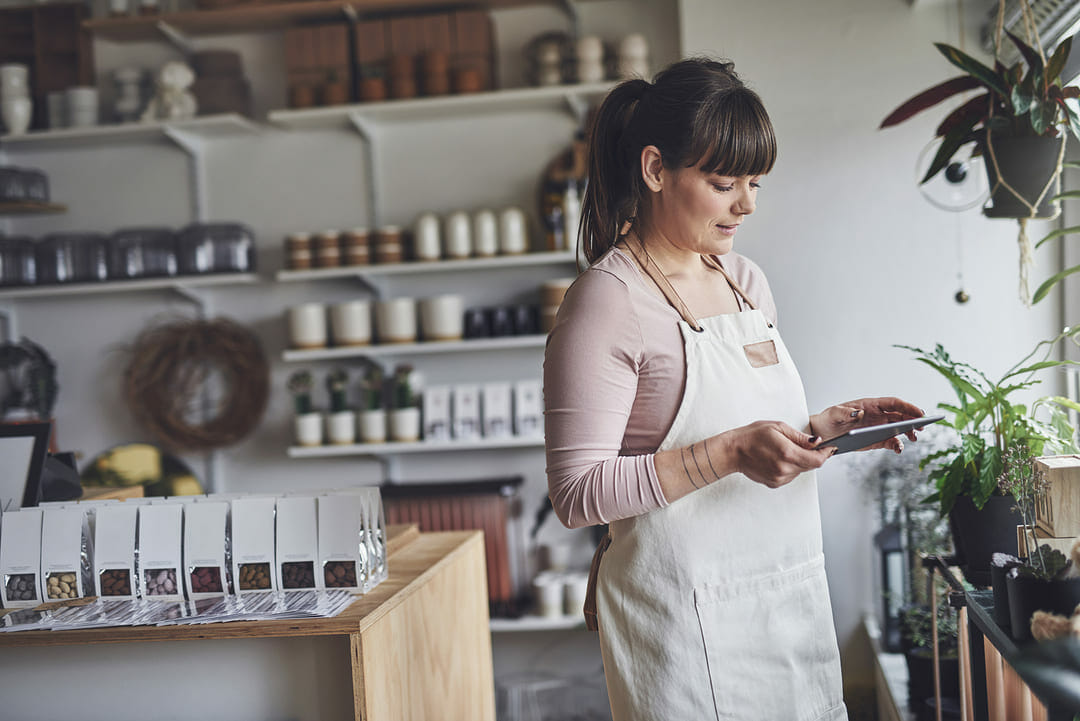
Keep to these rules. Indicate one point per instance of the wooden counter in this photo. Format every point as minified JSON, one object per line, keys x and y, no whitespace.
{"x":419,"y":642}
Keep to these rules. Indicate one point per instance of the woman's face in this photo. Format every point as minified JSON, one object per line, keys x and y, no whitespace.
{"x":700,"y":211}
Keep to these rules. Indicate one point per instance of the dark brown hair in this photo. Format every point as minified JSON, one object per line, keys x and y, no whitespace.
{"x":697,"y":112}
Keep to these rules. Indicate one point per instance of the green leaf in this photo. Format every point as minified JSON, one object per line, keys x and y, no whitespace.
{"x":1063,"y":401}
{"x":1071,"y":115}
{"x":1043,"y":115}
{"x":1022,"y":99}
{"x":990,"y":468}
{"x":973,"y":67}
{"x":952,"y":142}
{"x":960,"y":384}
{"x":950,"y":485}
{"x":1038,"y":367}
{"x":1031,"y":56}
{"x":1067,"y":194}
{"x":1056,"y":63}
{"x":1059,"y":232}
{"x":1053,"y":280}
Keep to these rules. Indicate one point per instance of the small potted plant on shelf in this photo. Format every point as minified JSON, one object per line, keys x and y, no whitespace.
{"x":1046,"y":581}
{"x":1018,"y":122}
{"x":917,"y":641}
{"x":341,"y":421}
{"x":307,"y":422}
{"x":405,"y":414}
{"x":372,"y":418}
{"x":989,"y":420}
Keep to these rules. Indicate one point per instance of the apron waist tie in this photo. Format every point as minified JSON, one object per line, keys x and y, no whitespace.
{"x":589,"y":607}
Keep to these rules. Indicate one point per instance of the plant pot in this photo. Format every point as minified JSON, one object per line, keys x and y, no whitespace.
{"x":1027,"y":164}
{"x":1028,"y":595}
{"x":405,"y":424}
{"x":998,"y":582}
{"x":372,"y":425}
{"x":978,"y":534}
{"x":309,"y":429}
{"x":341,"y":427}
{"x":920,"y":664}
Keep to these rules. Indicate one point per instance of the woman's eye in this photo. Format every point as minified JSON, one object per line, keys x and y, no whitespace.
{"x":722,"y":188}
{"x":755,"y":186}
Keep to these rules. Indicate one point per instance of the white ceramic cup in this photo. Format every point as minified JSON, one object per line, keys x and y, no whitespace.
{"x":442,"y":317}
{"x":372,"y":425}
{"x":341,"y":427}
{"x":405,"y":424}
{"x":513,"y":231}
{"x":57,"y":108}
{"x":549,"y":595}
{"x":82,"y":107}
{"x":14,"y":79}
{"x":350,"y":323}
{"x":16,"y":113}
{"x":575,"y":586}
{"x":458,"y":235}
{"x":307,"y":325}
{"x":395,"y":320}
{"x":427,"y":243}
{"x":485,"y":234}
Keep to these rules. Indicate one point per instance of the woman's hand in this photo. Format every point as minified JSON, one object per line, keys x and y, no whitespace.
{"x":840,"y":419}
{"x":774,"y":454}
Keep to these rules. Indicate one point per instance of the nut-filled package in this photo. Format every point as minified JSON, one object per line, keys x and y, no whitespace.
{"x":65,"y":553}
{"x":158,"y":551}
{"x":20,"y":558}
{"x":114,"y":550}
{"x":205,"y":526}
{"x":297,"y":543}
{"x":253,"y":544}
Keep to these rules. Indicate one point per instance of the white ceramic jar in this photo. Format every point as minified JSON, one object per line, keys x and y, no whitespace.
{"x":405,"y":424}
{"x":427,"y":243}
{"x":485,"y":234}
{"x":307,"y":326}
{"x":395,"y":320}
{"x":458,"y":235}
{"x":513,"y":231}
{"x":341,"y":427}
{"x":372,"y":425}
{"x":350,"y":323}
{"x":442,"y":317}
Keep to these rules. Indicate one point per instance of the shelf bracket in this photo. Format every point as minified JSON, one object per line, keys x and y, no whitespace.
{"x":570,"y":8}
{"x":200,"y":301}
{"x":190,"y":144}
{"x":9,"y":319}
{"x":577,"y":106}
{"x":391,"y":469}
{"x":176,"y":37}
{"x":367,"y":133}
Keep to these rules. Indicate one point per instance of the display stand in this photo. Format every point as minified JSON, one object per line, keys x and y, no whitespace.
{"x":419,"y":643}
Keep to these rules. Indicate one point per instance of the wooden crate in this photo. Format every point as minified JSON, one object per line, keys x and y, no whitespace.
{"x":1057,"y":510}
{"x":1063,"y":544}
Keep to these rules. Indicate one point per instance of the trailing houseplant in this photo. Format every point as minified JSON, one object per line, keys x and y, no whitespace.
{"x":988,"y":419}
{"x":1018,"y":120}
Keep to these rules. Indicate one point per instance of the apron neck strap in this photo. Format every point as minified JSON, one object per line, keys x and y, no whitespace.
{"x":668,"y":290}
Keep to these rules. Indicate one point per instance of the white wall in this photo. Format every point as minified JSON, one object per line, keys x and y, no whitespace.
{"x":857,"y":259}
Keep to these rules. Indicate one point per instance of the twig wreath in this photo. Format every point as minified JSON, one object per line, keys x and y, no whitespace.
{"x":197,"y":384}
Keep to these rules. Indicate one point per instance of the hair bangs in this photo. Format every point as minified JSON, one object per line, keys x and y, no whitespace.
{"x":735,"y":136}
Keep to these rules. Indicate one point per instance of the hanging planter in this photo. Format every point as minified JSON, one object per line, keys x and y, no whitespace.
{"x":1018,"y":120}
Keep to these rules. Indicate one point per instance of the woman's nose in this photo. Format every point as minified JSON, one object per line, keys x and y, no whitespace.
{"x":745,"y":203}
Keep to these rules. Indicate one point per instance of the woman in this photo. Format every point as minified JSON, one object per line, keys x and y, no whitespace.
{"x":674,"y":413}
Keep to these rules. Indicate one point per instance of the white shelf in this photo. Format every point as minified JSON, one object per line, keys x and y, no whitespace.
{"x":432,"y":347}
{"x":546,"y":257}
{"x":121,"y":286}
{"x":396,"y":448}
{"x":440,"y":108}
{"x":536,"y":623}
{"x":208,"y":126}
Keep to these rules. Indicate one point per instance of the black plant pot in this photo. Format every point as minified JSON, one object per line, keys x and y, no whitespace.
{"x":920,"y":664}
{"x":1027,"y":164}
{"x":979,"y":534}
{"x":1001,"y":595}
{"x":1028,"y":595}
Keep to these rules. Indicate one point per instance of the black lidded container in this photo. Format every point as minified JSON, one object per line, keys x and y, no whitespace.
{"x":216,"y":248}
{"x":142,"y":253}
{"x":72,"y":258}
{"x":18,"y":266}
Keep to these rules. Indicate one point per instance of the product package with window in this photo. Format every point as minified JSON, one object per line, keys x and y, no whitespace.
{"x":297,"y":539}
{"x":205,"y":567}
{"x":253,"y":544}
{"x":65,"y":553}
{"x":159,"y":552}
{"x":20,"y":558}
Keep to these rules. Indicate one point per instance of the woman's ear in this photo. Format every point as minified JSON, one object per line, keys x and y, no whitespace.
{"x":652,"y":168}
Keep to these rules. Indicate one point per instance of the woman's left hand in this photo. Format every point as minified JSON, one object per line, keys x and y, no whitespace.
{"x":840,"y":419}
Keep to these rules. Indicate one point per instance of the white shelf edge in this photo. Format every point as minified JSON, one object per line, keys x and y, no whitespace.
{"x":547,"y":257}
{"x":536,"y":623}
{"x":124,"y":286}
{"x":397,"y":448}
{"x":432,"y":347}
{"x":436,"y":107}
{"x":207,"y":125}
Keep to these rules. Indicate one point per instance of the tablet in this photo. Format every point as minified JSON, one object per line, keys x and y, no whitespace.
{"x":858,"y":438}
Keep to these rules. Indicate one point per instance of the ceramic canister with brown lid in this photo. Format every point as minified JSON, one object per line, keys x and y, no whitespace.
{"x":356,"y":246}
{"x":298,"y":251}
{"x":388,"y":245}
{"x":436,"y":75}
{"x":328,"y":249}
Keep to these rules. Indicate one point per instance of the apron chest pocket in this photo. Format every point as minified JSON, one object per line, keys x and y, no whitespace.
{"x":770,"y":647}
{"x":761,"y":354}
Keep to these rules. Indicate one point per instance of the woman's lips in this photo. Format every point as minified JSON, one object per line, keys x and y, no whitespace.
{"x":728,"y":229}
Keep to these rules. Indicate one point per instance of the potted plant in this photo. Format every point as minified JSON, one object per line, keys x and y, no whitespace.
{"x":28,"y":386}
{"x":918,"y":647}
{"x":372,"y":411}
{"x":307,"y":422}
{"x":988,"y":420}
{"x":405,"y":414}
{"x":341,"y":421}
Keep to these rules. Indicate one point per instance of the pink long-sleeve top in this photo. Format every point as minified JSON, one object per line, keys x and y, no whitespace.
{"x":614,"y":373}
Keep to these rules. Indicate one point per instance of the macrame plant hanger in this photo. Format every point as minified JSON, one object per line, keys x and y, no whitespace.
{"x":1027,"y":257}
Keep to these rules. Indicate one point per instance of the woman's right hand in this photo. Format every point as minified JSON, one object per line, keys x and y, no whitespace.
{"x":773,"y":453}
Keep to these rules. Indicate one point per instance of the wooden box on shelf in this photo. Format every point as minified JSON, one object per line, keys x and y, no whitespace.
{"x":50,"y":40}
{"x":1057,"y":510}
{"x":318,"y":65}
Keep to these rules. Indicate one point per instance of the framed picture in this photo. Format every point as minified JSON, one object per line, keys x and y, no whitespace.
{"x":23,"y":448}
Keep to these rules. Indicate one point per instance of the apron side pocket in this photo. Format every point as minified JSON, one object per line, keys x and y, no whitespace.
{"x":770,"y":647}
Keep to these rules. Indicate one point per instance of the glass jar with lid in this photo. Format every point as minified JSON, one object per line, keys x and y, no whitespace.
{"x":17,"y":262}
{"x":216,"y":248}
{"x":142,"y":253}
{"x":72,"y":258}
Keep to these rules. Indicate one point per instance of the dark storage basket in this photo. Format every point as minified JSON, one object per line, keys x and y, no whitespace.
{"x":12,"y":184}
{"x":216,"y":248}
{"x":142,"y":253}
{"x":17,"y":263}
{"x":72,"y":258}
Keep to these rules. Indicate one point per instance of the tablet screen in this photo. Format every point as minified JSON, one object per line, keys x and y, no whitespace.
{"x":858,"y":438}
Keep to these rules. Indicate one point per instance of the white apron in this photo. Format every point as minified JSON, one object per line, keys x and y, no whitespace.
{"x":716,"y":606}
